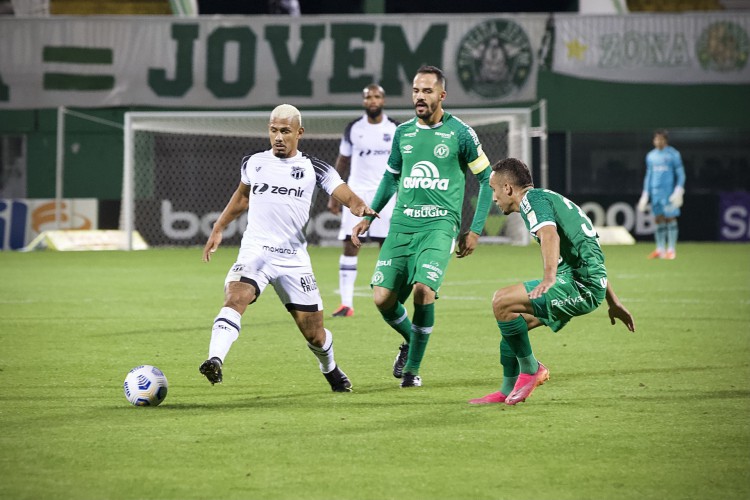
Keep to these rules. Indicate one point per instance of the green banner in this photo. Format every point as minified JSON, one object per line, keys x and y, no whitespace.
{"x":260,"y":61}
{"x":675,"y":49}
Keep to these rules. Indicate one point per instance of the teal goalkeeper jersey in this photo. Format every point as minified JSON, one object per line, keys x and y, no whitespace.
{"x":431,"y":165}
{"x":580,"y":252}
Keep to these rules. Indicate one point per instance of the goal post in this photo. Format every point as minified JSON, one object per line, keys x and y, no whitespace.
{"x":181,"y":167}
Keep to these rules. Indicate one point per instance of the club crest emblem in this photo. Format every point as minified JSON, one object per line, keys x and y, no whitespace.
{"x":298,"y":172}
{"x":441,"y":151}
{"x":723,"y":47}
{"x":495,"y":59}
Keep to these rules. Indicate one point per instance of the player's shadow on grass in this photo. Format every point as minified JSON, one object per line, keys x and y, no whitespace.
{"x":325,"y":401}
{"x":242,"y":397}
{"x":206,"y":328}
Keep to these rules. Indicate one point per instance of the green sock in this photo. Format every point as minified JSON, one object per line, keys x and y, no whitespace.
{"x":424,"y":319}
{"x":398,"y":318}
{"x":516,"y":333}
{"x":511,"y":368}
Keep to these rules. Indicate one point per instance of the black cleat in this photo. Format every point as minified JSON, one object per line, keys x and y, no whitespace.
{"x":338,"y":380}
{"x":411,"y":380}
{"x":400,"y":361}
{"x":211,"y":369}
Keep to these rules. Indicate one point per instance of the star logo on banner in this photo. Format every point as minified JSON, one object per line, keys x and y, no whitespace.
{"x":576,"y":49}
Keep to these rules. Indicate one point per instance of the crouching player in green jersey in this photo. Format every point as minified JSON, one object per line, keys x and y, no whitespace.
{"x":574,"y":283}
{"x":430,"y":157}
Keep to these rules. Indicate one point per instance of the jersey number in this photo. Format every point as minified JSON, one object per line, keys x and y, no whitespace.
{"x":587,"y":226}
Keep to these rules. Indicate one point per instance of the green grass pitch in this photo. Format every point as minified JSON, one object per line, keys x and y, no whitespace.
{"x":660,"y":413}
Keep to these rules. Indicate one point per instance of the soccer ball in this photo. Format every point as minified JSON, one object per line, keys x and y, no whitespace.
{"x":145,"y":385}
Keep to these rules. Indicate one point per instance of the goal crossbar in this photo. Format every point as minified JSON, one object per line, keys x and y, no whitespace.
{"x":326,"y":124}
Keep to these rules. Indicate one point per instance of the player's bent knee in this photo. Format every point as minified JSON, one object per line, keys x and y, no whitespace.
{"x":239,"y":298}
{"x":383,"y":298}
{"x":423,"y":294}
{"x":502,"y":302}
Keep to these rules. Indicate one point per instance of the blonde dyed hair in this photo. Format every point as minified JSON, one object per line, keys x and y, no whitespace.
{"x":284,"y":111}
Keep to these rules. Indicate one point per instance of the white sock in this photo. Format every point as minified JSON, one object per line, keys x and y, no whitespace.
{"x":347,"y":277}
{"x":225,"y":331}
{"x":325,"y":353}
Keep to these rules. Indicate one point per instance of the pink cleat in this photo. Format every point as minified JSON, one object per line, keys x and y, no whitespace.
{"x":343,"y":312}
{"x":495,"y":397}
{"x":526,"y":384}
{"x":670,"y":255}
{"x":656,"y":254}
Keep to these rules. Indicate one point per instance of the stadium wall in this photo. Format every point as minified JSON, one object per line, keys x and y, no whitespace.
{"x":579,"y":111}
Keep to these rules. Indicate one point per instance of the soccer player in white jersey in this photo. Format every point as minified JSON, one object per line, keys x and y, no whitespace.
{"x":363,"y":156}
{"x":276,"y":191}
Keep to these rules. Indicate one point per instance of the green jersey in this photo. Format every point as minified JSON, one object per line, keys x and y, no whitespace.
{"x":580,"y":252}
{"x":431,"y":165}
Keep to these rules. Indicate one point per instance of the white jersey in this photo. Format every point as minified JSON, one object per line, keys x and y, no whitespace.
{"x":281,"y":191}
{"x":368,"y":145}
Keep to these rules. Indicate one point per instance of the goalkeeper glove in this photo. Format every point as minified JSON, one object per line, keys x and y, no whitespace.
{"x":675,"y":199}
{"x":643,"y":202}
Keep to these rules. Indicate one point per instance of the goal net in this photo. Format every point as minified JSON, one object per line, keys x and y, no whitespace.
{"x":180,"y":169}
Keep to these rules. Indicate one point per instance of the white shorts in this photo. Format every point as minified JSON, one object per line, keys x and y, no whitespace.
{"x":378,"y":228}
{"x":294,"y":284}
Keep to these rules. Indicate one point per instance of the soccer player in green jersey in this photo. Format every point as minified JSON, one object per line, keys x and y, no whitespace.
{"x":574,"y":283}
{"x":430,"y":157}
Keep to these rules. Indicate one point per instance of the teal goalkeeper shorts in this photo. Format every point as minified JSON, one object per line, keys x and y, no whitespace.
{"x":408,"y":258}
{"x":567,"y":298}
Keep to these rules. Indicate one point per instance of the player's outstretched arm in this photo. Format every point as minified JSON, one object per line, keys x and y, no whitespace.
{"x":237,"y":206}
{"x":617,"y":310}
{"x":356,"y":205}
{"x":334,"y":206}
{"x":343,"y":164}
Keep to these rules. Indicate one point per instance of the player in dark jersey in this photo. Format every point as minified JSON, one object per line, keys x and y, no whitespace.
{"x":574,"y":283}
{"x":430,"y":158}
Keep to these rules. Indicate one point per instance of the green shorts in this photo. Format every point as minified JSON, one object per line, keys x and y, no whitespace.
{"x":408,"y":258}
{"x":567,"y":298}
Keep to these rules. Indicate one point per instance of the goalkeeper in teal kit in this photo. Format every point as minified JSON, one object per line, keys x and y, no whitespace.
{"x":663,"y":188}
{"x":574,"y":282}
{"x":430,"y":157}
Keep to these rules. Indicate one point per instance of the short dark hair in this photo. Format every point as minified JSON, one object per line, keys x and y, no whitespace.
{"x":433,"y":70}
{"x":373,"y":86}
{"x":662,"y":132}
{"x":516,"y":171}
